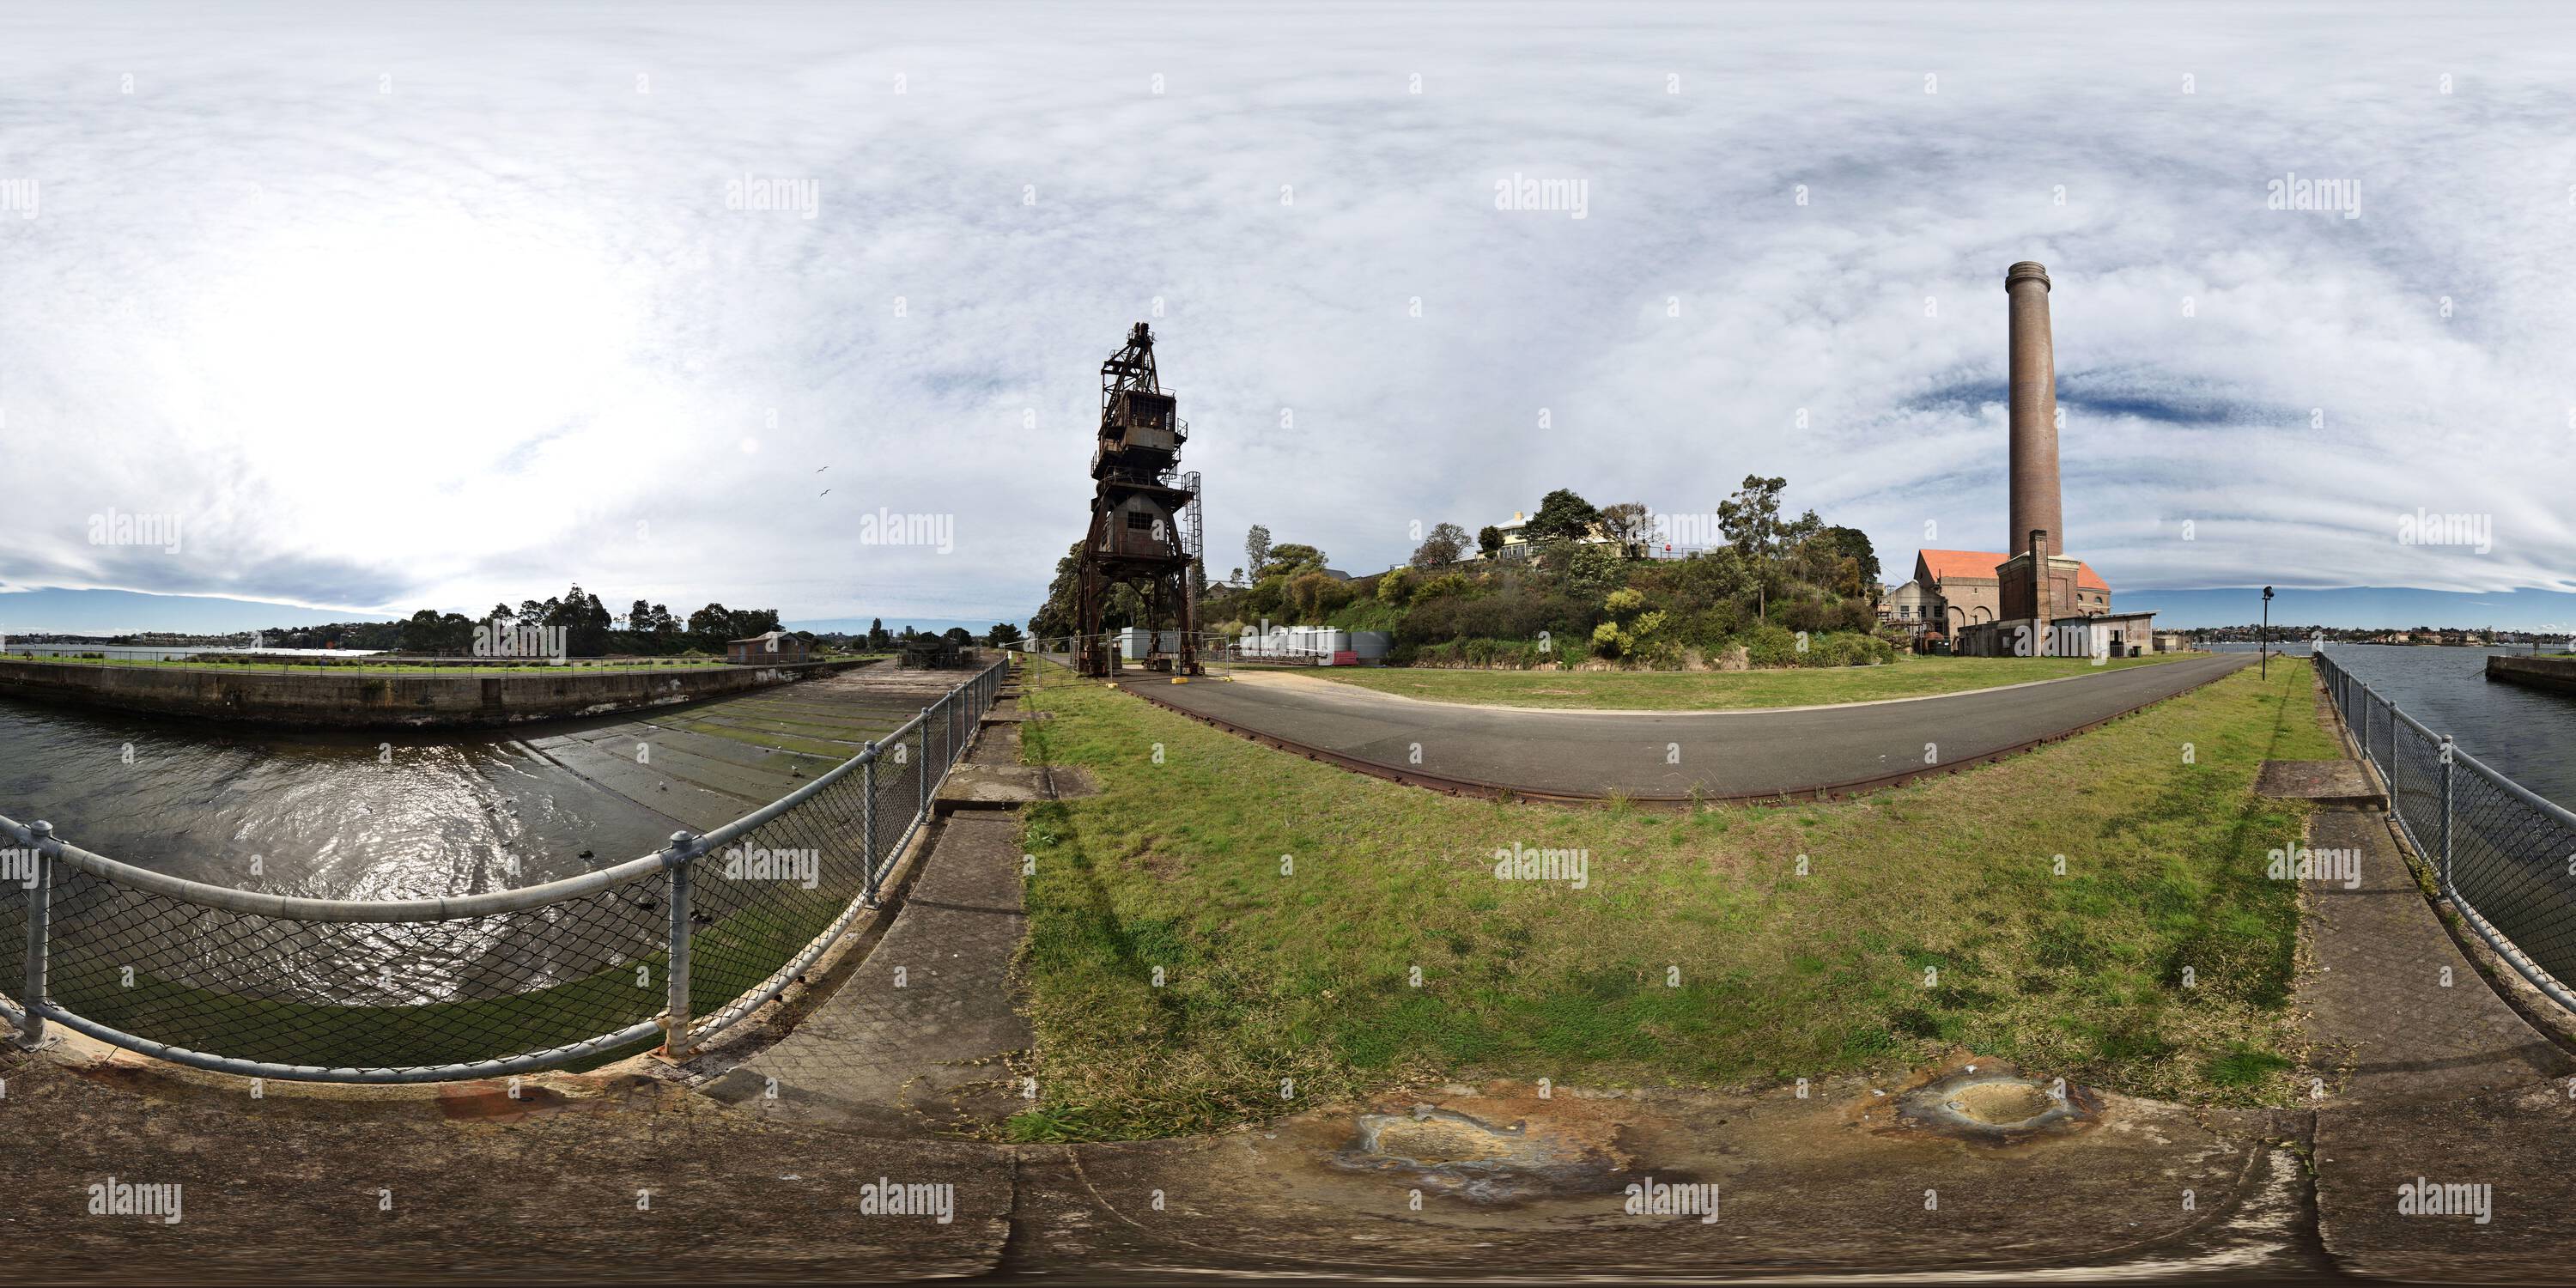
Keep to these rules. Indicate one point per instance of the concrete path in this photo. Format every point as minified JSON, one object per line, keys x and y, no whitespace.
{"x":914,"y":1041}
{"x":2424,"y":1073}
{"x":1729,"y":753}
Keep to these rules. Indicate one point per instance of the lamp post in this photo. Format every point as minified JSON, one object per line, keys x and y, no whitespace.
{"x":2264,"y":667}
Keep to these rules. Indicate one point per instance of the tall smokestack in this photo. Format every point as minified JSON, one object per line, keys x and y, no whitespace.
{"x":2034,"y":412}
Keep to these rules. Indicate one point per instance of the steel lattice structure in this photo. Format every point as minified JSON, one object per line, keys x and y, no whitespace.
{"x":1139,"y":503}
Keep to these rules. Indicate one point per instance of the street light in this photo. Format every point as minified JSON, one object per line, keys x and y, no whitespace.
{"x":2264,"y":667}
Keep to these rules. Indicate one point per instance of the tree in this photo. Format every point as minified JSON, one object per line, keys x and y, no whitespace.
{"x":1256,"y":551}
{"x":1627,"y":523}
{"x":1751,"y":518}
{"x":714,"y":619}
{"x":1292,"y":559}
{"x":1315,"y":595}
{"x":1827,"y":553}
{"x":639,"y":617}
{"x":1490,"y":540}
{"x":1003,"y":633}
{"x":958,"y":635}
{"x":421,"y":633}
{"x":878,"y":639}
{"x":1562,"y":516}
{"x":1447,"y":544}
{"x":1236,"y":579}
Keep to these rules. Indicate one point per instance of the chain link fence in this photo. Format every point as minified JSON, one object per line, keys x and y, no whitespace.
{"x":669,"y":949}
{"x":2503,"y":855}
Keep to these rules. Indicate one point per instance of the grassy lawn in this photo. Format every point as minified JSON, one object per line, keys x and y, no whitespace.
{"x":1908,"y":677}
{"x":1930,"y":919}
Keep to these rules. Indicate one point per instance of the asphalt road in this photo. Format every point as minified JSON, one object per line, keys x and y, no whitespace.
{"x":1729,"y":753}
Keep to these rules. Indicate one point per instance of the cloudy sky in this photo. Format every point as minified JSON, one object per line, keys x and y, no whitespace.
{"x":394,"y":308}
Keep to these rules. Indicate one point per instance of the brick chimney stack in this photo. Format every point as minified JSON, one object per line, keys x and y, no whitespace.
{"x":2033,"y":400}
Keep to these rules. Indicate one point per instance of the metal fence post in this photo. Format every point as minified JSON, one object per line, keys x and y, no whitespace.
{"x":2366,"y":753}
{"x":39,"y":927}
{"x":868,"y":819}
{"x":675,"y":1029}
{"x":924,"y":774}
{"x":2446,"y":815}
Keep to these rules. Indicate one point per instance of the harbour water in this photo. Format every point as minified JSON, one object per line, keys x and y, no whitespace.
{"x":352,"y":816}
{"x":2529,"y":735}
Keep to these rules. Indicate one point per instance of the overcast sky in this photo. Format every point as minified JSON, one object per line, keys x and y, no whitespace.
{"x":432,"y":307}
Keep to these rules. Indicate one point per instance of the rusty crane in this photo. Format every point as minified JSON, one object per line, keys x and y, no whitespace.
{"x":1144,"y":518}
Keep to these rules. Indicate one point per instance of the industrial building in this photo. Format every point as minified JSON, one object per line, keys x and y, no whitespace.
{"x":2036,"y":600}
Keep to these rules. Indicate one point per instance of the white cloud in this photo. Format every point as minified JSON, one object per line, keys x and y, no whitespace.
{"x":453,"y":343}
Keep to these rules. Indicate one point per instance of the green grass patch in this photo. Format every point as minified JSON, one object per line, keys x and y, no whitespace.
{"x":1908,"y":677}
{"x":1350,"y":934}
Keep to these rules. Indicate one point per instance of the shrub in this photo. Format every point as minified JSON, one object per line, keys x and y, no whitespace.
{"x":1443,"y":586}
{"x":1518,"y":655}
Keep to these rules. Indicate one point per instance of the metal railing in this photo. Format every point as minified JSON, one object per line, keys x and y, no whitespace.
{"x":2502,"y":854}
{"x":674,"y":947}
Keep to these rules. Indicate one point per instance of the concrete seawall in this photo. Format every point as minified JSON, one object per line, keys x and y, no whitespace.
{"x":360,"y":699}
{"x":2557,"y":673}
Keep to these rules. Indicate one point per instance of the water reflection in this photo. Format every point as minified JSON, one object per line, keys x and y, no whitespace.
{"x":2528,"y":735}
{"x":323,"y":814}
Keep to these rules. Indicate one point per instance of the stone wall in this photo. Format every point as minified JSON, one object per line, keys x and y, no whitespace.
{"x":2557,"y":673}
{"x":357,"y":698}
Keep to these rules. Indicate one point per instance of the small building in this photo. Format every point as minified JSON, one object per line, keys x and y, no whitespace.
{"x":1321,"y":645}
{"x":1136,"y":644}
{"x":1913,"y":608}
{"x":768,"y":650}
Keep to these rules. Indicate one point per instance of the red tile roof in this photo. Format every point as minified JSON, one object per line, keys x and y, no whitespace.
{"x":1943,"y":565}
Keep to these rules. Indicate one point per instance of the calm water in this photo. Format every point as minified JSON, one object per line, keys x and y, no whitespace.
{"x":321,"y":813}
{"x":129,"y":653}
{"x":2529,"y":735}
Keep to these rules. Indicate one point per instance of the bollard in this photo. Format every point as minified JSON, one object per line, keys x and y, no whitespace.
{"x":39,"y":926}
{"x":675,"y":1027}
